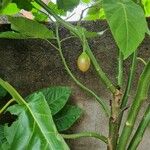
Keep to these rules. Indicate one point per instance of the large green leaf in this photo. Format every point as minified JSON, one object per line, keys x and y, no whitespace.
{"x":34,"y":128}
{"x":56,"y":97}
{"x":30,"y":28}
{"x":127,"y":22}
{"x":12,"y":35}
{"x":67,"y":117}
{"x":67,"y":5}
{"x":3,"y":92}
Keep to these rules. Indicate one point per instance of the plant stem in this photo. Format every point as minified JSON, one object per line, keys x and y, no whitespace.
{"x":58,"y":19}
{"x":113,"y":121}
{"x":130,"y":79}
{"x":120,"y":69}
{"x":142,"y":60}
{"x":127,"y":90}
{"x":16,"y":96}
{"x":99,"y":71}
{"x":75,"y":30}
{"x":100,"y":100}
{"x":140,"y":130}
{"x":115,"y":108}
{"x":85,"y":134}
{"x":6,"y":105}
{"x":141,"y":95}
{"x":67,"y":38}
{"x":126,"y":94}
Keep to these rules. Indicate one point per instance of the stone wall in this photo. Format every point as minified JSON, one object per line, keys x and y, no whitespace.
{"x":30,"y":65}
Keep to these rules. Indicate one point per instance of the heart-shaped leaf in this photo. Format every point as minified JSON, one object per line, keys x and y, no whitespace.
{"x":127,"y":23}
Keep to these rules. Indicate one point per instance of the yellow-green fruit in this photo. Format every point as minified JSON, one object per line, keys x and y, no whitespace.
{"x":83,"y":62}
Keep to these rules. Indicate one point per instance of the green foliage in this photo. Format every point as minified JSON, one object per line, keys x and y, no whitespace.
{"x":3,"y":141}
{"x":12,"y":35}
{"x":67,"y":117}
{"x":3,"y":4}
{"x":10,"y":9}
{"x":99,"y":14}
{"x":56,"y":97}
{"x":35,"y":116}
{"x":30,"y":28}
{"x":2,"y":137}
{"x":25,"y":28}
{"x":36,"y":12}
{"x":127,"y":22}
{"x":3,"y":92}
{"x":86,"y":1}
{"x":138,"y":135}
{"x":146,"y":4}
{"x":128,"y":25}
{"x":90,"y":34}
{"x":95,"y":12}
{"x":34,"y":124}
{"x":67,"y":5}
{"x":64,"y":115}
{"x":23,"y":4}
{"x":55,"y":8}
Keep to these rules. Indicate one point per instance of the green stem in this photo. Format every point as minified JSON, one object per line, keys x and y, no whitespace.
{"x":130,"y":79}
{"x":120,"y":69}
{"x":100,"y":100}
{"x":6,"y":105}
{"x":127,"y":90}
{"x":142,"y":60}
{"x":85,"y":134}
{"x":101,"y":74}
{"x":141,"y":95}
{"x":67,"y":38}
{"x":58,"y":19}
{"x":115,"y":108}
{"x":73,"y":29}
{"x":16,"y":96}
{"x":140,"y":130}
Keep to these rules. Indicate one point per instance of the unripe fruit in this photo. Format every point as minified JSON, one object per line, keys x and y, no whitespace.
{"x":83,"y":62}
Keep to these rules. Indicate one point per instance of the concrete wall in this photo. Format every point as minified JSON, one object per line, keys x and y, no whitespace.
{"x":33,"y":64}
